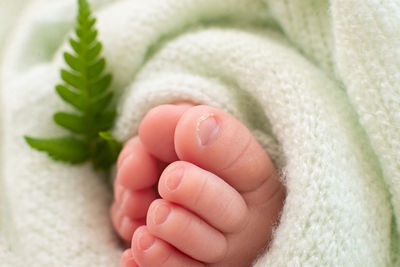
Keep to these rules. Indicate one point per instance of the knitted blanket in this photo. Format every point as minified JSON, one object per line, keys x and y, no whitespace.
{"x":316,"y":81}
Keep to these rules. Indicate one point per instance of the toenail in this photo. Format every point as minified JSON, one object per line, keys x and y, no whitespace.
{"x":161,"y":214}
{"x":146,"y":241}
{"x":206,"y":129}
{"x":175,"y":179}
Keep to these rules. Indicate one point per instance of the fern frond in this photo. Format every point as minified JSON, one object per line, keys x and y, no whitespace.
{"x":71,"y":97}
{"x":66,"y":149}
{"x":74,"y":123}
{"x":85,"y":88}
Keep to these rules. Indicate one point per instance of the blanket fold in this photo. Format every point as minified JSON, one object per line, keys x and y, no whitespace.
{"x":315,"y":81}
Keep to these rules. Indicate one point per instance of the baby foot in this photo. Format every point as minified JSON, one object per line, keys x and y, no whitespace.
{"x":220,"y":198}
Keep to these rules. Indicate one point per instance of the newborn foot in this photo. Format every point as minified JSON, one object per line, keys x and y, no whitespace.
{"x":220,"y":194}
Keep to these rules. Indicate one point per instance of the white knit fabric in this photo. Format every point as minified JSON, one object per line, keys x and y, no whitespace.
{"x":317,"y":82}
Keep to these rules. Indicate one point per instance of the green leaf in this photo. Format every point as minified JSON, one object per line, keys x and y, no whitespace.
{"x":73,"y":62}
{"x":72,"y":122}
{"x":107,"y":135}
{"x":90,"y":37}
{"x":93,"y":52}
{"x":96,"y":68}
{"x":66,"y":149}
{"x":71,"y":97}
{"x":91,"y":22}
{"x":98,"y":87}
{"x":73,"y":80}
{"x":85,"y":21}
{"x":80,"y":33}
{"x":114,"y":145}
{"x":102,"y":102}
{"x":105,"y":120}
{"x":103,"y":158}
{"x":75,"y":45}
{"x":86,"y":90}
{"x":83,"y":7}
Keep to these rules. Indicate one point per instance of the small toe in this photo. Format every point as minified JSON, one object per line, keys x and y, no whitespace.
{"x":204,"y":194}
{"x":127,"y":259}
{"x":133,"y":188}
{"x":137,"y":169}
{"x":124,"y":226}
{"x":151,"y":251}
{"x":157,"y":129}
{"x":135,"y":204}
{"x":185,"y":231}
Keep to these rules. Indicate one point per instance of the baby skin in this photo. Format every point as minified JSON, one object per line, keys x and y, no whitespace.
{"x":194,"y":188}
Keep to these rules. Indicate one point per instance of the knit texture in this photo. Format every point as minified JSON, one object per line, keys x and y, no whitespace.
{"x":316,"y":81}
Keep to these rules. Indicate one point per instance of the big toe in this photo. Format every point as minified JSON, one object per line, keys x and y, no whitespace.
{"x":216,"y":141}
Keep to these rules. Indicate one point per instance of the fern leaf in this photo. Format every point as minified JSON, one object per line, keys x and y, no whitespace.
{"x":91,"y":22}
{"x":102,"y":158}
{"x":105,"y":121}
{"x":67,"y":149}
{"x":96,"y":68}
{"x":114,"y":147}
{"x":80,"y":33}
{"x":85,"y":88}
{"x":93,"y":52}
{"x":102,"y":102}
{"x":99,"y":86}
{"x":72,"y":122}
{"x":73,"y":80}
{"x":73,"y":62}
{"x":75,"y":45}
{"x":90,"y":37}
{"x":71,"y":97}
{"x":113,"y":144}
